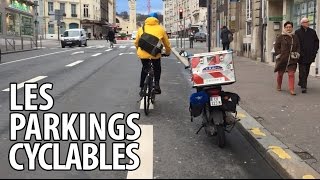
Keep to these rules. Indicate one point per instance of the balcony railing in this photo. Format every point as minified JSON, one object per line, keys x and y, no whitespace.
{"x":74,"y":15}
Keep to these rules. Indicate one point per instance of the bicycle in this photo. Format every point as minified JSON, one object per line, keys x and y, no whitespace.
{"x":148,"y":91}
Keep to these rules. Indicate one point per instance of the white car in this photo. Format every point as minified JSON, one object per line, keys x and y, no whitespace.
{"x":73,"y":37}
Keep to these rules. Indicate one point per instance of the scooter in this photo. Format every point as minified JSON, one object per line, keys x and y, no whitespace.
{"x":218,"y":113}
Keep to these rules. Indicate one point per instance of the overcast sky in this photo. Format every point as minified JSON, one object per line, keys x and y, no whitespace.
{"x":156,"y":6}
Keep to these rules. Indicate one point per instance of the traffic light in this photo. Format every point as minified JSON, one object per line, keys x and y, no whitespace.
{"x":180,"y":14}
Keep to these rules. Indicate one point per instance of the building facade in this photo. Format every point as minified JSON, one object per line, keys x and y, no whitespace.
{"x":95,"y":16}
{"x":256,"y":24}
{"x":112,"y":12}
{"x":194,"y":16}
{"x":132,"y":16}
{"x":17,"y":18}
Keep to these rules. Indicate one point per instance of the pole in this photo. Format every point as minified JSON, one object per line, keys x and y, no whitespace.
{"x":184,"y":33}
{"x":209,"y":24}
{"x":261,"y":31}
{"x":180,"y":35}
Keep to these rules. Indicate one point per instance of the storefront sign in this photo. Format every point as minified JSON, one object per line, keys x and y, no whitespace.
{"x":20,"y":6}
{"x":277,"y":18}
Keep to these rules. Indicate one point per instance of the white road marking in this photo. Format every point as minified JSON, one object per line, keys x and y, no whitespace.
{"x":99,"y":47}
{"x":98,"y":54}
{"x":74,"y":63}
{"x":21,"y":85}
{"x":89,"y":47}
{"x":142,"y":104}
{"x":145,"y":153}
{"x":133,"y":47}
{"x":126,"y":53}
{"x":108,"y":50}
{"x":79,"y":52}
{"x":37,"y":56}
{"x":54,"y":48}
{"x":122,"y":47}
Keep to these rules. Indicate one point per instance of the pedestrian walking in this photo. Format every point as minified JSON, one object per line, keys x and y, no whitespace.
{"x":191,"y":39}
{"x":111,"y":37}
{"x":226,"y":37}
{"x":287,"y":51}
{"x":309,"y":45}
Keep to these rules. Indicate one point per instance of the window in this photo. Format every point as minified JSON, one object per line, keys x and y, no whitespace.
{"x":51,"y":29}
{"x":248,"y":17}
{"x":303,"y":9}
{"x":73,"y":9}
{"x":26,"y":26}
{"x":13,"y":24}
{"x":50,"y":6}
{"x":62,"y":7}
{"x":86,"y":10}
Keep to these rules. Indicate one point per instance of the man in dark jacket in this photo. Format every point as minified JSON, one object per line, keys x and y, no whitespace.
{"x":225,"y":38}
{"x":111,"y":37}
{"x":309,"y":44}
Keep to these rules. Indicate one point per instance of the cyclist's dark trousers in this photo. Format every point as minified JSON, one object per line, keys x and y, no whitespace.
{"x":225,"y":46}
{"x":145,"y":67}
{"x":304,"y":70}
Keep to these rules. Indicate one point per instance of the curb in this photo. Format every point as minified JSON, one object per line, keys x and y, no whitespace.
{"x":285,"y":162}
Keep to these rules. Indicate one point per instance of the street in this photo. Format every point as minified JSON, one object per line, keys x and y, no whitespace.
{"x":99,"y":79}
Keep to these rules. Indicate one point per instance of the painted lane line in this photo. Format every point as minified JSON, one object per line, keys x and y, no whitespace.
{"x":151,"y":106}
{"x":36,"y":57}
{"x":108,"y":50}
{"x":99,"y":47}
{"x":21,"y":85}
{"x":98,"y":54}
{"x":89,"y":47}
{"x":79,"y":52}
{"x":133,"y":47}
{"x":122,"y":47}
{"x":74,"y":63}
{"x":145,"y":153}
{"x":126,"y":53}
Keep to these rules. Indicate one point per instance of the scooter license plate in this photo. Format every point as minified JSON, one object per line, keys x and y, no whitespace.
{"x":215,"y":101}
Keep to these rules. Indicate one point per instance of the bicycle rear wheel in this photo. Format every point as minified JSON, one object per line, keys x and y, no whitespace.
{"x":147,"y":96}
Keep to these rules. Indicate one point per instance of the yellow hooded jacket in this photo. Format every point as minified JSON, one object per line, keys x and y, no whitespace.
{"x":153,"y":27}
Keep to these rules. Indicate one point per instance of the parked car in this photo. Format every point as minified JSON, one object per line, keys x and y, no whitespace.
{"x":73,"y":37}
{"x":200,"y":36}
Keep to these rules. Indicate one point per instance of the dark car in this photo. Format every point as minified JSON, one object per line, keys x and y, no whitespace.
{"x":200,"y":36}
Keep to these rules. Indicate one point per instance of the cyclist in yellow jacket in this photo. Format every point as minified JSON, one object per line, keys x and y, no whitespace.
{"x":153,"y":27}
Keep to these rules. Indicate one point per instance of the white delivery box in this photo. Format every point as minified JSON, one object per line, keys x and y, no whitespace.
{"x":212,"y":68}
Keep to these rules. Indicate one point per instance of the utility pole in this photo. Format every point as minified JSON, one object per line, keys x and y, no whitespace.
{"x":181,"y":17}
{"x":209,"y":24}
{"x":184,"y":32}
{"x":261,"y":32}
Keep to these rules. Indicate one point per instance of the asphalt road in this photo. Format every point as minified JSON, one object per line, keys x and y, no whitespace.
{"x":99,"y":79}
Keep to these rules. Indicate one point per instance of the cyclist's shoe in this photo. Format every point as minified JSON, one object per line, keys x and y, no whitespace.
{"x":157,"y":89}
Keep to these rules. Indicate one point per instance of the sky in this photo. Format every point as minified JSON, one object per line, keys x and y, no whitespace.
{"x":156,"y":6}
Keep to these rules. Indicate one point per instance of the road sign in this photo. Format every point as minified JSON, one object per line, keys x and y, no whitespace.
{"x":58,"y":15}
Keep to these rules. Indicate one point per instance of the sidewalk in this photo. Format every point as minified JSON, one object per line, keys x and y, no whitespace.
{"x":16,"y":45}
{"x":294,"y":120}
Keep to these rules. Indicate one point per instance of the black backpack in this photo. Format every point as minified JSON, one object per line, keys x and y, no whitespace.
{"x":150,"y":43}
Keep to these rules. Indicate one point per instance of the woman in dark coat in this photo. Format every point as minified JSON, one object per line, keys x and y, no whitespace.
{"x":287,"y":51}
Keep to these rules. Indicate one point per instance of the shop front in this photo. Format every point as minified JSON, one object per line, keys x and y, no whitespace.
{"x":19,"y":19}
{"x":304,"y":8}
